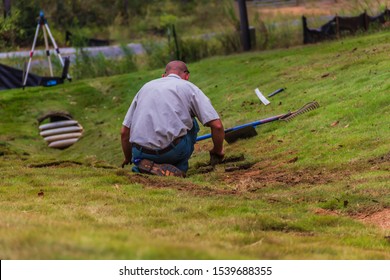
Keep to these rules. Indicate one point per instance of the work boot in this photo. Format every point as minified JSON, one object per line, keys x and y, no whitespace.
{"x":159,"y":169}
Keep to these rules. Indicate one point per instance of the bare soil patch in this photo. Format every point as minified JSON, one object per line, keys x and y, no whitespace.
{"x":380,"y":219}
{"x":326,"y":7}
{"x":70,"y":163}
{"x":266,"y":174}
{"x":307,"y":8}
{"x":241,"y":181}
{"x":269,"y":173}
{"x":382,"y":159}
{"x":295,"y":11}
{"x":154,"y":182}
{"x":286,"y":177}
{"x":59,"y":163}
{"x":262,"y":175}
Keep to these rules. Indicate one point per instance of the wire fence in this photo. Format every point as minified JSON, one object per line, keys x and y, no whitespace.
{"x":339,"y":26}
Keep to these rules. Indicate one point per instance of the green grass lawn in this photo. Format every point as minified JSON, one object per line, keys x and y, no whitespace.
{"x":311,"y":182}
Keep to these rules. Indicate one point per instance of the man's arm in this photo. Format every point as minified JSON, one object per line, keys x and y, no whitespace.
{"x":126,"y":145}
{"x":217,"y":135}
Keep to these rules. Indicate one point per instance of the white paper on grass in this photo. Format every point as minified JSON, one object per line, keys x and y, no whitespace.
{"x":261,"y":97}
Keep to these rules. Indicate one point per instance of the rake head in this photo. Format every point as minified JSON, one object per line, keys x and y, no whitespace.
{"x":306,"y":108}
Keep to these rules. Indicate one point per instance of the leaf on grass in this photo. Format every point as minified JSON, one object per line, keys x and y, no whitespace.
{"x":335,"y":123}
{"x":293,"y":160}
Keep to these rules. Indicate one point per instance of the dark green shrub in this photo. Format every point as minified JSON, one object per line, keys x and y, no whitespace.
{"x":157,"y":54}
{"x":92,"y":66}
{"x":230,"y":42}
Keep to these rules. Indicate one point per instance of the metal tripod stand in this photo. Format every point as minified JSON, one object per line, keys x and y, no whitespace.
{"x":42,"y":23}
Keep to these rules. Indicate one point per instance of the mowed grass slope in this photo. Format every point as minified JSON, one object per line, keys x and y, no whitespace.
{"x":311,"y":184}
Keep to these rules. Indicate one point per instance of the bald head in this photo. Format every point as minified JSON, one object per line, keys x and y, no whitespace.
{"x":177,"y":67}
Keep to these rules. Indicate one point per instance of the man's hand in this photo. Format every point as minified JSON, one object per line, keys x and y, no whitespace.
{"x":217,"y":134}
{"x":216,"y":158}
{"x":126,"y":146}
{"x":125,"y":162}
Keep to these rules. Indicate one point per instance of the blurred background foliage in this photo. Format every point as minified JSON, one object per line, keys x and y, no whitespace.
{"x":118,"y":20}
{"x":189,"y":30}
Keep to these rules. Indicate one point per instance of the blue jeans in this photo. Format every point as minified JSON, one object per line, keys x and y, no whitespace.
{"x":177,"y":156}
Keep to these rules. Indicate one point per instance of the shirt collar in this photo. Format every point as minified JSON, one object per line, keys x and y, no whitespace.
{"x":174,"y":75}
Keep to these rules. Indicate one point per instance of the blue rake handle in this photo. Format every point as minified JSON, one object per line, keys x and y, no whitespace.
{"x":255,"y":123}
{"x":288,"y":116}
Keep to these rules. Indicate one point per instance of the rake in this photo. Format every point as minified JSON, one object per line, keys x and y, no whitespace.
{"x":248,"y":130}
